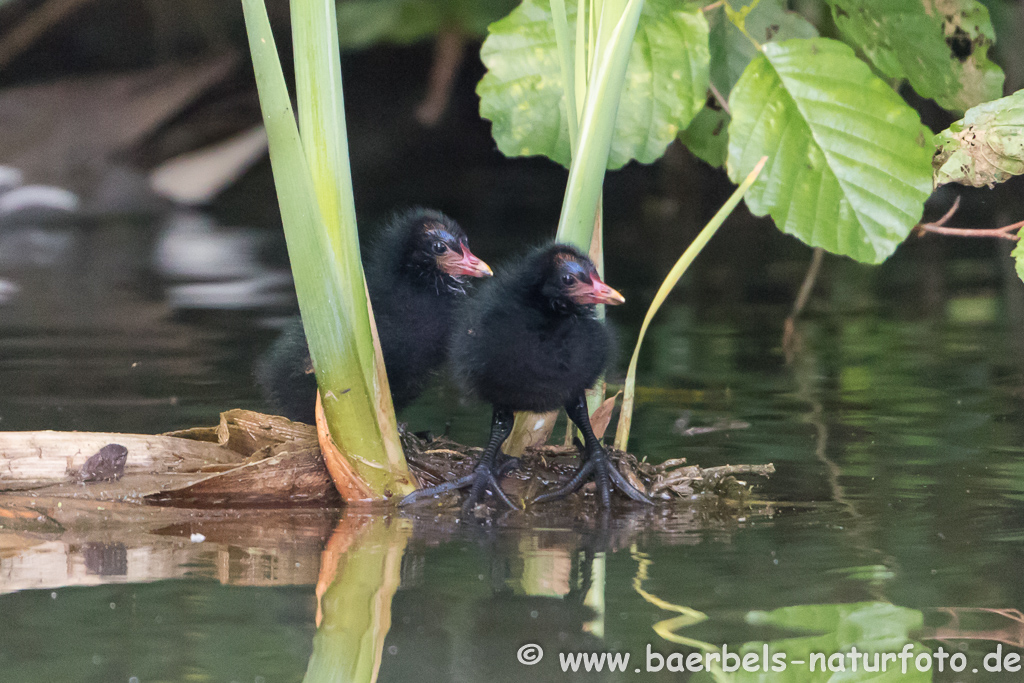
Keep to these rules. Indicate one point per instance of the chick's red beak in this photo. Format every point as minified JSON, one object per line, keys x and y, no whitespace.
{"x":465,"y":263}
{"x":596,"y":292}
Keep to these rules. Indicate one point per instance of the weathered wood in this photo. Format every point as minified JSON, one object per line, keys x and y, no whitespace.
{"x":30,"y":459}
{"x":247,"y":431}
{"x":291,"y":475}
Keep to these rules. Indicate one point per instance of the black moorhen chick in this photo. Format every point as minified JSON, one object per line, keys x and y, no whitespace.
{"x":531,"y":341}
{"x":416,"y":274}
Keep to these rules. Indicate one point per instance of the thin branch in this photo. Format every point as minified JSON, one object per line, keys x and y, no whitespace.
{"x":949,"y":214}
{"x":808,"y":283}
{"x":449,"y":50}
{"x":790,"y":340}
{"x":21,"y":37}
{"x":712,"y":6}
{"x":1007,"y":232}
{"x":722,"y":102}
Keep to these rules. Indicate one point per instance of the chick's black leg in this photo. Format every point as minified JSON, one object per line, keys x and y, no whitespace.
{"x":598,"y":465}
{"x":491,"y":467}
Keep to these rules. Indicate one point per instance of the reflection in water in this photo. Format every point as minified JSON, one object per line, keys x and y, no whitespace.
{"x":209,"y":266}
{"x":546,"y":589}
{"x":106,"y":559}
{"x":896,"y":431}
{"x":137,"y":324}
{"x":530,"y":582}
{"x":359,"y":574}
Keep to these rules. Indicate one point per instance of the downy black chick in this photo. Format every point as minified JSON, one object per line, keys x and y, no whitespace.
{"x":531,"y":341}
{"x":416,"y":274}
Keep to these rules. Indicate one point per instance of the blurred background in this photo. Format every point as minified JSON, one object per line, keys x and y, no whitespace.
{"x":142,"y":265}
{"x":143,"y":269}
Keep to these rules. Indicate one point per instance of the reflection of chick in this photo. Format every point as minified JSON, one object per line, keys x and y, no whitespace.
{"x":453,"y":631}
{"x":415,"y":275}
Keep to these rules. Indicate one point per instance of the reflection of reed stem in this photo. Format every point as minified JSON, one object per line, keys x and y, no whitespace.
{"x":667,"y":628}
{"x":594,"y":598}
{"x":860,"y":530}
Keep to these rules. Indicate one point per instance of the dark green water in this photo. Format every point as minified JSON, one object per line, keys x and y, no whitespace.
{"x":896,"y":430}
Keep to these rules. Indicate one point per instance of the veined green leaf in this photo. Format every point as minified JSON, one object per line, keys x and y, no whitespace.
{"x":731,"y":51}
{"x":985,"y":147}
{"x":707,"y":136}
{"x":665,"y":87}
{"x":849,"y":167}
{"x":939,"y":46}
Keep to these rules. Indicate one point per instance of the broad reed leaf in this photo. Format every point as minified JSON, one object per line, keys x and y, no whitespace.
{"x":327,"y":272}
{"x":597,"y":127}
{"x":666,"y":81}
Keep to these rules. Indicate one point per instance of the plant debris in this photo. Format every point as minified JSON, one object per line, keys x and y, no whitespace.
{"x":256,"y":460}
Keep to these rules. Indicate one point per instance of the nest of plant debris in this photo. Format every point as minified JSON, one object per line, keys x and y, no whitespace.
{"x":439,"y":460}
{"x":256,"y":460}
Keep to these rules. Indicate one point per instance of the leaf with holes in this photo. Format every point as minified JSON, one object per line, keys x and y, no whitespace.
{"x":849,"y":161}
{"x":939,"y":46}
{"x":666,"y":82}
{"x":985,"y":147}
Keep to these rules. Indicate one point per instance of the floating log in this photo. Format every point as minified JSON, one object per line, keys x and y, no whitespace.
{"x":195,"y":502}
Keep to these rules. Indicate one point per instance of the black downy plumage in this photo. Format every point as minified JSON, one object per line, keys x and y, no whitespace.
{"x":416,"y":273}
{"x":531,"y":341}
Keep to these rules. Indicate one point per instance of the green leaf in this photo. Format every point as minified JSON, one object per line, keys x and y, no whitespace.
{"x":707,"y":135}
{"x":985,"y":147}
{"x":849,"y":161}
{"x":666,"y":82}
{"x":1018,"y":254}
{"x":939,"y":46}
{"x":362,"y":23}
{"x":324,"y":257}
{"x":731,"y":51}
{"x":597,"y":128}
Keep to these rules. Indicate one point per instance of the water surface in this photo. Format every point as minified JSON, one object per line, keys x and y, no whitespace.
{"x":896,"y":429}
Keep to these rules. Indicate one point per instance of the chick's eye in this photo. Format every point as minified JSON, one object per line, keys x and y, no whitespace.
{"x":568,"y":279}
{"x":439,"y":247}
